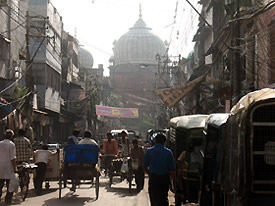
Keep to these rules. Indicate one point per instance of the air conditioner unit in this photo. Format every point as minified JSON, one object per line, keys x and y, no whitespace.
{"x":3,"y":3}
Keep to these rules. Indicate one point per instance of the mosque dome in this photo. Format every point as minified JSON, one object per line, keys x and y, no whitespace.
{"x":85,"y":58}
{"x":138,"y":46}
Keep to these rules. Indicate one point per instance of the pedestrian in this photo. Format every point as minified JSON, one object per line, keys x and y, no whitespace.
{"x":137,"y":155}
{"x":23,"y":147}
{"x":74,"y":138}
{"x":159,"y":164}
{"x":41,"y":158}
{"x":7,"y":163}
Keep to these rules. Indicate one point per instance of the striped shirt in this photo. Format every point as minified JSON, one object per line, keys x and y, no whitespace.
{"x":23,"y":149}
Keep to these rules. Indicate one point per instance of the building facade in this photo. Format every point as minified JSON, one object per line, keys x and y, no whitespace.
{"x":44,"y":36}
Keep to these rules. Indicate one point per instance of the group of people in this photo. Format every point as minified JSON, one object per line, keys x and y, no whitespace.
{"x":76,"y":139}
{"x":157,"y":161}
{"x":15,"y":151}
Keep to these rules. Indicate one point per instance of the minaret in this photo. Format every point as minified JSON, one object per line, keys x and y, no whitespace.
{"x":140,"y":11}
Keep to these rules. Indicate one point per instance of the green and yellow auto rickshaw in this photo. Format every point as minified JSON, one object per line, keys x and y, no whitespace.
{"x":185,"y":141}
{"x":212,"y":143}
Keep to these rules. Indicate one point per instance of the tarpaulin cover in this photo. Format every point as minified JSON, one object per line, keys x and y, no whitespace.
{"x":83,"y":153}
{"x":234,"y":173}
{"x":5,"y":108}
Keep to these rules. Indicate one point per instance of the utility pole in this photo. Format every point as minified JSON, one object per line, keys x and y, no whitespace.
{"x":28,"y":77}
{"x":28,"y":60}
{"x":237,"y":58}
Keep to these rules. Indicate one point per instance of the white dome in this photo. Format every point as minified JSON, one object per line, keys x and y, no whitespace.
{"x":85,"y":58}
{"x":138,"y":46}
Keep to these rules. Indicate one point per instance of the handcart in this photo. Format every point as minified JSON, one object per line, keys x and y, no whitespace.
{"x":53,"y":168}
{"x":80,"y":166}
{"x":121,"y":167}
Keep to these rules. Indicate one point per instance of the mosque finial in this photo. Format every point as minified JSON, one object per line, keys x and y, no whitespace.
{"x":140,"y":11}
{"x":75,"y":32}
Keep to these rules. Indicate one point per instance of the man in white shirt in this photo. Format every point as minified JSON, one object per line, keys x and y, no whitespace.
{"x":87,"y":138}
{"x":41,"y":158}
{"x":7,"y":163}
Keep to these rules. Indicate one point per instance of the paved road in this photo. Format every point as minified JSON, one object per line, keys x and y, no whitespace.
{"x":118,"y":194}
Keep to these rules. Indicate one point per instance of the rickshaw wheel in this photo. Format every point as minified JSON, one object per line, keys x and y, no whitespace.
{"x":97,"y":186}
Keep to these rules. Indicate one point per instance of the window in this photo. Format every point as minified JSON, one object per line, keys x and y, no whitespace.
{"x":269,"y":148}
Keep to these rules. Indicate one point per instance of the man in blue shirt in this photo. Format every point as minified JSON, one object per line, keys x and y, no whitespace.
{"x":159,"y":164}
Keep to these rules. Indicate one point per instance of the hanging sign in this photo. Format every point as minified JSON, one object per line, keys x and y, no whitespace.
{"x":172,"y":96}
{"x":117,"y":112}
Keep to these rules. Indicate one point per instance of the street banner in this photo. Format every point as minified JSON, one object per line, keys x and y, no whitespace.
{"x":117,"y":112}
{"x":172,"y":96}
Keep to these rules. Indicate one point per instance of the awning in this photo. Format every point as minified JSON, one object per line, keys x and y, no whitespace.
{"x":5,"y":108}
{"x":172,"y":96}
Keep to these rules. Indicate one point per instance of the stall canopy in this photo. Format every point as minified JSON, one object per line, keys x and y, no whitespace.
{"x":5,"y":108}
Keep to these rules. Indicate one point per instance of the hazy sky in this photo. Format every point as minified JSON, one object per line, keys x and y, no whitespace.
{"x":97,"y":23}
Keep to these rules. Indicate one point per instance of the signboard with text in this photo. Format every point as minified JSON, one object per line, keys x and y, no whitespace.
{"x":117,"y":112}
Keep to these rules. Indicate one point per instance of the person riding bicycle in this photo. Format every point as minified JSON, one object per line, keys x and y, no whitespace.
{"x":110,"y":149}
{"x":23,"y":147}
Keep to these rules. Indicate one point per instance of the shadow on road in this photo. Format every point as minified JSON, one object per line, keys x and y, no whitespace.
{"x":69,"y":199}
{"x":123,"y":192}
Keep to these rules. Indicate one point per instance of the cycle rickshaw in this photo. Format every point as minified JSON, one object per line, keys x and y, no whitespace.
{"x":79,"y":167}
{"x":24,"y":170}
{"x":118,"y":167}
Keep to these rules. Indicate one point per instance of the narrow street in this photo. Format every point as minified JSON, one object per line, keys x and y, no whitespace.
{"x":118,"y":194}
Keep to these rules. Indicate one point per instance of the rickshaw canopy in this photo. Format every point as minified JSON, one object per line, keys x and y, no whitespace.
{"x":252,"y":98}
{"x":216,"y":120}
{"x":188,"y":121}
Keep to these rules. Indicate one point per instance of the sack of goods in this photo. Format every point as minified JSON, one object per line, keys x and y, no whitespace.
{"x":124,"y":167}
{"x":14,"y":183}
{"x":135,"y":164}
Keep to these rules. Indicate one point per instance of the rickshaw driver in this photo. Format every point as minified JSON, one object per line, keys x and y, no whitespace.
{"x":110,"y":150}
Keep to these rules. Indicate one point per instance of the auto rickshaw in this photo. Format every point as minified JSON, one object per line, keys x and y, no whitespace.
{"x":185,"y":141}
{"x":247,"y":167}
{"x":212,"y":142}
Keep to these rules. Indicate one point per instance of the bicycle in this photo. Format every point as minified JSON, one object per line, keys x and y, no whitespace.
{"x":24,"y":178}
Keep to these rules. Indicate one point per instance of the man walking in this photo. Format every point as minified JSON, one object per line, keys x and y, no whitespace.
{"x":137,"y":155}
{"x":159,"y":164}
{"x":7,"y":163}
{"x":23,"y":147}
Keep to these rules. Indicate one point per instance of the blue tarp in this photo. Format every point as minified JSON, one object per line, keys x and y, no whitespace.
{"x":83,"y":153}
{"x":5,"y":108}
